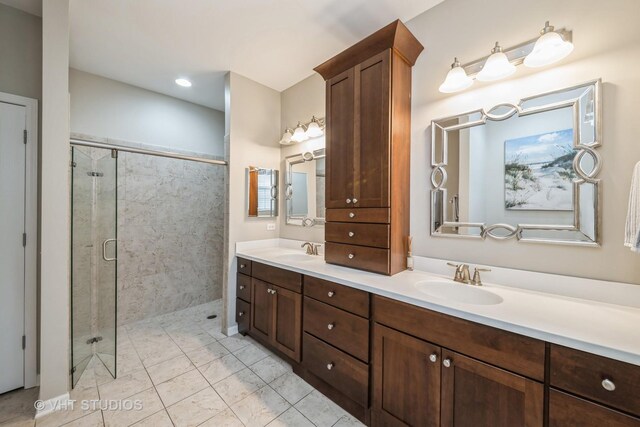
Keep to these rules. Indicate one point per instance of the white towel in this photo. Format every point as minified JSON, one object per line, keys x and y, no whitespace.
{"x":632,"y":229}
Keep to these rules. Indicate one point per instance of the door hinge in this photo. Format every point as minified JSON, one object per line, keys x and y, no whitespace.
{"x":72,"y":370}
{"x":25,"y":136}
{"x":24,"y":239}
{"x":24,"y":342}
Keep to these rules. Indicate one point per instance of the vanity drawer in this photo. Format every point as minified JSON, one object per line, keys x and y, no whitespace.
{"x":243,"y":314}
{"x":569,"y":411}
{"x":243,"y":287}
{"x":343,"y":330}
{"x":352,"y":300}
{"x":507,"y":350}
{"x":345,"y":373}
{"x":584,"y":374}
{"x":244,"y":266}
{"x":376,"y":235}
{"x":360,"y":257}
{"x":376,"y":215}
{"x":277,"y":276}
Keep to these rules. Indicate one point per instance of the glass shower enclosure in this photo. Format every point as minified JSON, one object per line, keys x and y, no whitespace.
{"x":94,"y":189}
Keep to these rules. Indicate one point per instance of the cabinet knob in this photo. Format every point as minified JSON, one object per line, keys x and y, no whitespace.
{"x":351,"y":234}
{"x":351,"y":256}
{"x":330,"y":366}
{"x":608,"y":385}
{"x":348,"y":201}
{"x":241,"y":287}
{"x":330,"y":294}
{"x":330,"y":326}
{"x":446,"y":362}
{"x":242,"y":266}
{"x":274,"y":292}
{"x":355,"y":200}
{"x":352,"y":215}
{"x":433,"y":358}
{"x":241,"y":314}
{"x":268,"y":291}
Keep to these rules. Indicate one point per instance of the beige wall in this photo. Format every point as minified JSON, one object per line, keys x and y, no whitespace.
{"x":253,"y":131}
{"x":607,"y":45}
{"x":299,"y":103}
{"x":111,"y":109}
{"x":54,"y":328}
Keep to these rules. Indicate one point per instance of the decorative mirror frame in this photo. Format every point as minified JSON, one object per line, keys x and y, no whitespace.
{"x":439,"y":172}
{"x":307,"y":156}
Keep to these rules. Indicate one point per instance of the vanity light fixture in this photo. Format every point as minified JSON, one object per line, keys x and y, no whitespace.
{"x":549,"y":47}
{"x":303,"y":131}
{"x":183,"y":82}
{"x":496,"y":67}
{"x":299,"y":133}
{"x":456,"y":80}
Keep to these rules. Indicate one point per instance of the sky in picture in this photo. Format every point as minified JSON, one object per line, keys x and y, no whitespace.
{"x":540,"y":148}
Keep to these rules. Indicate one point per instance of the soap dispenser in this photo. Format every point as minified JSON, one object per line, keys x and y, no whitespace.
{"x":409,"y":255}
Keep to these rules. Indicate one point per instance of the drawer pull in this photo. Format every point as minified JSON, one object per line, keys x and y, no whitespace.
{"x":241,"y":314}
{"x":433,"y":358}
{"x":351,"y":234}
{"x":608,"y":385}
{"x":330,"y":366}
{"x":351,"y":256}
{"x":352,"y":215}
{"x":330,"y":326}
{"x":348,"y":201}
{"x":271,"y":291}
{"x":241,"y":287}
{"x":242,"y":266}
{"x":330,"y":294}
{"x":446,"y":362}
{"x":355,"y":200}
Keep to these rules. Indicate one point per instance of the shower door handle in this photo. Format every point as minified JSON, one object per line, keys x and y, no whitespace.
{"x":104,"y":250}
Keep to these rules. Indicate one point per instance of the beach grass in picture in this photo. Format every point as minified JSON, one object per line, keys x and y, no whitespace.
{"x":538,"y":172}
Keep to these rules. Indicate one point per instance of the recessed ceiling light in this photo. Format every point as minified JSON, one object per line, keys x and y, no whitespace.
{"x":183,"y":82}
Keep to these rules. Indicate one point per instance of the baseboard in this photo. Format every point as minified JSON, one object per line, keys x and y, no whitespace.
{"x":232,"y":330}
{"x":45,"y":407}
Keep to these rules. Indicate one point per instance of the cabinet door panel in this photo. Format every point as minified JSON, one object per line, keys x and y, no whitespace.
{"x":475,"y":394}
{"x":243,"y":315}
{"x":406,"y":383}
{"x":372,"y":141}
{"x":340,"y":140}
{"x":568,"y":411}
{"x":287,"y":319}
{"x":261,"y":309}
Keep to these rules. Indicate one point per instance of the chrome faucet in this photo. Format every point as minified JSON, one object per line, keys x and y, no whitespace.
{"x":312,"y":249}
{"x":462,"y":273}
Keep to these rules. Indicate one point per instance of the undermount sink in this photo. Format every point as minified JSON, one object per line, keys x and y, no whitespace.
{"x":450,"y":290}
{"x":295,"y":257}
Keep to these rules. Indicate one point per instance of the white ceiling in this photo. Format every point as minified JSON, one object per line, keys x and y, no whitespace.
{"x":149,"y":43}
{"x":33,"y":7}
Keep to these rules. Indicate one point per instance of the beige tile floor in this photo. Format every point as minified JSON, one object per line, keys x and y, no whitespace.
{"x":185,"y":372}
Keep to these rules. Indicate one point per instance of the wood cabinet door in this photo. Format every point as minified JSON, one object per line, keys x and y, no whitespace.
{"x":568,"y":411}
{"x":372,"y":132}
{"x":287,"y":322}
{"x":406,"y":380}
{"x":261,"y":309}
{"x":475,"y":394}
{"x":340,"y":140}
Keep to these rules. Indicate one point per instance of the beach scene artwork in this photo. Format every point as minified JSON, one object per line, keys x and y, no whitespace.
{"x":538,"y":172}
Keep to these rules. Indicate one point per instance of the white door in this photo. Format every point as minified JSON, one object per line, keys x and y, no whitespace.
{"x":12,"y":254}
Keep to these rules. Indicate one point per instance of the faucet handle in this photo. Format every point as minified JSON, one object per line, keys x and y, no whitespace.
{"x":476,"y":280}
{"x":453,"y":264}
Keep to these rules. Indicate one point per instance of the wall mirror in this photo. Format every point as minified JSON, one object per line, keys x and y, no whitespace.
{"x":304,"y":191}
{"x":526,"y":172}
{"x":262,"y":192}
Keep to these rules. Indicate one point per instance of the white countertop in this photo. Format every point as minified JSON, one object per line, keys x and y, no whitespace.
{"x":605,"y":329}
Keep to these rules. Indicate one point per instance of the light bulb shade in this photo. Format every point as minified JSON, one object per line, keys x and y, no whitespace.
{"x":299,"y":134}
{"x":496,"y":67}
{"x":549,"y":48}
{"x":314,"y":130}
{"x":456,"y":80}
{"x":286,"y":137}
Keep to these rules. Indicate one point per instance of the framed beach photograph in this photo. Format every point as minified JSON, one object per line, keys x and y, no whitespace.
{"x":538,"y":172}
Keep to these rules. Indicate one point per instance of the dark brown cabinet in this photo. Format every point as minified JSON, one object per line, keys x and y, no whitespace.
{"x":287,"y":321}
{"x":261,"y":309}
{"x":368,"y":139}
{"x":570,"y":411}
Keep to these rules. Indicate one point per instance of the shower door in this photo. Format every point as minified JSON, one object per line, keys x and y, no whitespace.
{"x":93,"y":259}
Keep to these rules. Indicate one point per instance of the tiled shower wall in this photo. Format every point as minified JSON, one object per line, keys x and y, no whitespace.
{"x":170,"y":235}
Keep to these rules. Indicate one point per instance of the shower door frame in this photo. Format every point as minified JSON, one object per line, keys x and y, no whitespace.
{"x":31,"y":230}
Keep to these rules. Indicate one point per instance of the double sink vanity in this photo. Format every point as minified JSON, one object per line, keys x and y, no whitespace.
{"x":419,"y":349}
